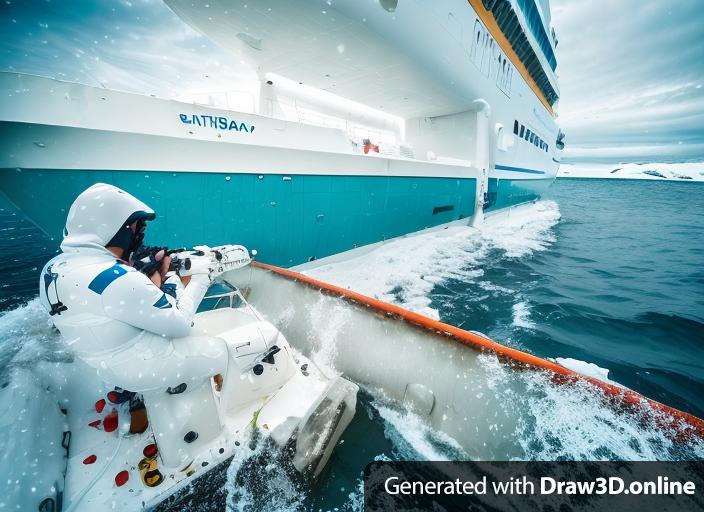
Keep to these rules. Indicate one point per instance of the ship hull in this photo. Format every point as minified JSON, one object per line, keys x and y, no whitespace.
{"x":289,"y":219}
{"x":294,"y":192}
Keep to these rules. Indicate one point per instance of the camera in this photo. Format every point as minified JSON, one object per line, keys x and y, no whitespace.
{"x":179,"y":263}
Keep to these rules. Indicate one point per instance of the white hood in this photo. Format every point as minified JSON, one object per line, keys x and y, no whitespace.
{"x":96,"y":216}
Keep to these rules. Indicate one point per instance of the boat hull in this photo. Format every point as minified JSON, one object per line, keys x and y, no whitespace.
{"x":459,"y":382}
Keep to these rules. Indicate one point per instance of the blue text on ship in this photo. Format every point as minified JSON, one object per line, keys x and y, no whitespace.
{"x":217,"y":122}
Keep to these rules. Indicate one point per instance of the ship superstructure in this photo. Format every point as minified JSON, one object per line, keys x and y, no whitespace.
{"x":371,"y":119}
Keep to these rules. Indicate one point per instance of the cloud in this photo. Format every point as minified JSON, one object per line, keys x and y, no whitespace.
{"x":138,"y":46}
{"x":631,"y":75}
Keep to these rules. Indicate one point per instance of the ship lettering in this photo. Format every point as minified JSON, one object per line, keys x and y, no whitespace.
{"x":217,"y":122}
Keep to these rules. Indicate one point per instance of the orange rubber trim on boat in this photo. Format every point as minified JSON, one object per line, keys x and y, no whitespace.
{"x":493,"y":28}
{"x":622,"y":397}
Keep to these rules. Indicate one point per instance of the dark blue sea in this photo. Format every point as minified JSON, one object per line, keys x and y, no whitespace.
{"x":606,"y":276}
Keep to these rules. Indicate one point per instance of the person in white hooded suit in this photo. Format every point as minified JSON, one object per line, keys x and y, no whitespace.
{"x":115,"y":318}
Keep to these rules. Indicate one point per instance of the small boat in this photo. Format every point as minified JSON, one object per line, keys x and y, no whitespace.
{"x":291,"y":388}
{"x":437,"y":370}
{"x":270,"y":393}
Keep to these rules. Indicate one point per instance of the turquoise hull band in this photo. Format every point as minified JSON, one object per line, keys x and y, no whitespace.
{"x":504,"y":193}
{"x":289,"y":219}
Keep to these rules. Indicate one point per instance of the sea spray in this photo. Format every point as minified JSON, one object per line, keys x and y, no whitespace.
{"x":407,"y":270}
{"x":261,"y":476}
{"x":576,"y":422}
{"x":27,"y":337}
{"x":411,"y":436}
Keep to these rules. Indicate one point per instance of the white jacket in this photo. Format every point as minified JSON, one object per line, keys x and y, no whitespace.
{"x":111,"y":315}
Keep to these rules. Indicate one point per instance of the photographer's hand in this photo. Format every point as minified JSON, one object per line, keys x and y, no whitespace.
{"x":158,"y":277}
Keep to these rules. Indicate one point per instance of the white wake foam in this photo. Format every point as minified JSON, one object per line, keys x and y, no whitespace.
{"x":31,"y":424}
{"x":575,"y":422}
{"x":28,"y":337}
{"x":404,"y":271}
{"x":257,"y":480}
{"x":521,"y":316}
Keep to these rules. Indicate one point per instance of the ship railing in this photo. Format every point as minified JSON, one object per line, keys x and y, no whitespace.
{"x":232,"y":100}
{"x":291,"y":110}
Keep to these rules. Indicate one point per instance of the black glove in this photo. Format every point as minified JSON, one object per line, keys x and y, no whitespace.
{"x":148,"y":260}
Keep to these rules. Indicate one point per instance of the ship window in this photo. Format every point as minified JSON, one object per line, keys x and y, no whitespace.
{"x":532,"y":138}
{"x":523,"y":131}
{"x":515,"y":127}
{"x":528,"y":134}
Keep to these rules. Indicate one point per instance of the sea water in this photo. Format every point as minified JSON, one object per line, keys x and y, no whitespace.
{"x":604,"y":276}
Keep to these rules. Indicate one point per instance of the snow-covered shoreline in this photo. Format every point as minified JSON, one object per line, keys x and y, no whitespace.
{"x":690,"y":171}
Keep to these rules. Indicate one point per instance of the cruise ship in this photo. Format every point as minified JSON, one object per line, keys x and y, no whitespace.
{"x":369,"y":120}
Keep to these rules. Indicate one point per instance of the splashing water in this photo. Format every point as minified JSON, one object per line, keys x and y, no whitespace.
{"x":326,"y":316}
{"x":259,"y":478}
{"x":27,"y":337}
{"x":575,"y":422}
{"x":411,"y":437}
{"x":405,"y":271}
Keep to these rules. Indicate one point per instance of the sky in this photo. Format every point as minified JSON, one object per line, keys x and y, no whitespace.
{"x":631,"y":76}
{"x":631,"y":71}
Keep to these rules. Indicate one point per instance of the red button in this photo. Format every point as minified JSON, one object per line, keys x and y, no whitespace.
{"x":90,"y":459}
{"x":100,"y":405}
{"x":94,"y":424}
{"x":121,"y":478}
{"x":150,"y":450}
{"x":114,"y":396}
{"x":110,"y":421}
